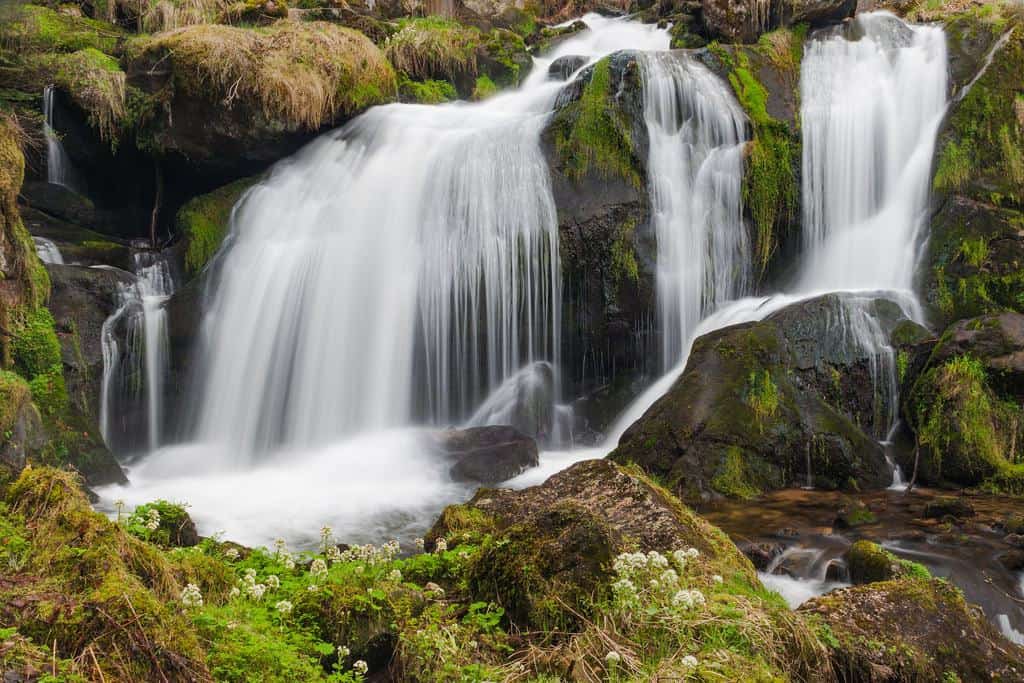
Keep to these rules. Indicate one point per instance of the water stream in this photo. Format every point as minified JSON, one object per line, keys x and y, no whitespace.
{"x":59,"y":169}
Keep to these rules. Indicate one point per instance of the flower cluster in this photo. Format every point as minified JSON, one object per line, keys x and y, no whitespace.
{"x":440,"y":545}
{"x":191,"y":597}
{"x":250,"y":587}
{"x":282,"y":554}
{"x":153,"y":519}
{"x":654,"y":580}
{"x":231,"y":554}
{"x":318,"y":569}
{"x":284,"y":607}
{"x":371,"y":554}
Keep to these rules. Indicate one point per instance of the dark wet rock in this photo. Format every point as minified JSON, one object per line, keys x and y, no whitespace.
{"x":761,"y":554}
{"x":566,"y":532}
{"x":903,"y":630}
{"x":952,"y":507}
{"x":868,"y":562}
{"x":77,"y":245}
{"x":997,"y":340}
{"x":566,"y":66}
{"x":837,"y":571}
{"x":854,"y":515}
{"x":1013,"y":560}
{"x":758,"y":402}
{"x":1016,"y":540}
{"x":488,"y":455}
{"x":787,"y":532}
{"x":743,"y":21}
{"x":526,"y":401}
{"x":606,"y":240}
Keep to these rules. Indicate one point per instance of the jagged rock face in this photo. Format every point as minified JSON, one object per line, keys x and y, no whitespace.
{"x":743,"y":21}
{"x":997,"y":340}
{"x":902,"y":630}
{"x":759,"y":402}
{"x":603,"y":217}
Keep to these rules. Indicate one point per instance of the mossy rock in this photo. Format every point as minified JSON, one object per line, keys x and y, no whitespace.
{"x":757,"y":402}
{"x":868,"y":562}
{"x":203,"y":222}
{"x":92,"y":588}
{"x":912,"y":630}
{"x":546,"y":551}
{"x":229,"y":100}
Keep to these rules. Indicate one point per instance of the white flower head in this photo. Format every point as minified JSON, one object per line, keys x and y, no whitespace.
{"x":312,"y":588}
{"x":273,"y":582}
{"x":717,"y":578}
{"x":284,"y":607}
{"x":153,"y":522}
{"x":419,"y":543}
{"x":613,"y":657}
{"x":318,"y":568}
{"x":234,"y":592}
{"x":669,"y":577}
{"x":191,"y":597}
{"x":689,"y":662}
{"x":231,"y":554}
{"x":360,"y":667}
{"x":692,"y":553}
{"x":395,"y":575}
{"x":441,"y":545}
{"x":343,"y":652}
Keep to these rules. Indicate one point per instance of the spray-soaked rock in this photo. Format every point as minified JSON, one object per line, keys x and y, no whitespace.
{"x":487,"y":455}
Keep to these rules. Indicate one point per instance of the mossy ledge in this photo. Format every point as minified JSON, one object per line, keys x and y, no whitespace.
{"x":203,"y":222}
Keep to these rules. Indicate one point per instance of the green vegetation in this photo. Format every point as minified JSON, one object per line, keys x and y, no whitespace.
{"x":762,"y":397}
{"x":426,"y":92}
{"x":623,"y":254}
{"x":770,"y":189}
{"x":203,"y":222}
{"x":434,"y":48}
{"x":484,"y":88}
{"x":869,"y":562}
{"x":732,"y":479}
{"x":593,"y":134}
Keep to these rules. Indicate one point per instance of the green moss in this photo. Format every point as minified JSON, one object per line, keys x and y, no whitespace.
{"x":954,"y":169}
{"x":484,"y":88}
{"x":172,"y":522}
{"x":732,"y":479}
{"x":426,"y":92}
{"x":49,"y":391}
{"x":434,"y":48}
{"x":203,"y":222}
{"x":42,"y":28}
{"x":762,"y":396}
{"x":770,"y":189}
{"x":591,"y":134}
{"x":623,"y":253}
{"x":868,"y":562}
{"x":36,"y":349}
{"x":14,"y":392}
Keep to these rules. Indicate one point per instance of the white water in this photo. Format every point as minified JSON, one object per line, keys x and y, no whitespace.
{"x":695,"y":165}
{"x":870,"y":113}
{"x":134,"y":341}
{"x":416,"y":247}
{"x":47,"y":251}
{"x":59,"y":170}
{"x":798,"y":590}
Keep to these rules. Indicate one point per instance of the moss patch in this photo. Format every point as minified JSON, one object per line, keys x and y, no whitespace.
{"x":203,"y":222}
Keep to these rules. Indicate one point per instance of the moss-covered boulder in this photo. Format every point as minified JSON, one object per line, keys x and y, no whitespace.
{"x":231,"y":100}
{"x":760,"y":406}
{"x":868,"y":562}
{"x":203,"y":223}
{"x":91,"y":591}
{"x":975,"y":256}
{"x":912,"y":630}
{"x":547,"y":550}
{"x":965,"y":405}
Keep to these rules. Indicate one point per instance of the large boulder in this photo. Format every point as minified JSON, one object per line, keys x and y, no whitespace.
{"x":550,"y":547}
{"x":743,"y":21}
{"x":487,"y":455}
{"x":800,"y":397}
{"x":904,"y":630}
{"x":229,"y":101}
{"x":965,"y":405}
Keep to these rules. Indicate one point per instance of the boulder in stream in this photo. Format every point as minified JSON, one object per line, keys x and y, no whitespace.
{"x":488,"y":455}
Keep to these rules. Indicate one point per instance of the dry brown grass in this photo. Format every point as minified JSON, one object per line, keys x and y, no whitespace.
{"x":301,"y":75}
{"x":434,"y":48}
{"x":167,"y":15}
{"x":97,"y":85}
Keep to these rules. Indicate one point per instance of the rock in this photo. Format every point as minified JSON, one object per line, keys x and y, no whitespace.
{"x":953,"y":507}
{"x":566,"y":532}
{"x":743,"y":21}
{"x":757,"y":402}
{"x":566,"y":66}
{"x":836,"y":571}
{"x":761,"y":554}
{"x":997,"y":340}
{"x":606,"y":240}
{"x":854,"y":516}
{"x":265,"y":93}
{"x":526,"y":401}
{"x":488,"y":455}
{"x":901,"y":630}
{"x":1016,"y":540}
{"x":868,"y":562}
{"x":1013,"y":560}
{"x":77,"y":245}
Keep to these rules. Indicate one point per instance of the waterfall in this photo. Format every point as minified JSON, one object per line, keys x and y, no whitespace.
{"x":870,"y":112}
{"x":59,"y":170}
{"x":47,"y":251}
{"x":134,"y":342}
{"x":695,"y":166}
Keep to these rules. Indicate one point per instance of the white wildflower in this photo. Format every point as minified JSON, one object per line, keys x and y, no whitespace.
{"x":333,"y":554}
{"x":256,"y":591}
{"x":153,"y":522}
{"x":433,"y":588}
{"x":656,"y":560}
{"x":613,"y":657}
{"x":624,"y":586}
{"x":318,"y":568}
{"x":191,"y":597}
{"x":232,"y":625}
{"x":669,"y":577}
{"x":312,"y":588}
{"x":688,"y":662}
{"x":343,"y":652}
{"x":419,"y":543}
{"x":692,"y":553}
{"x":680,"y":558}
{"x":717,"y":578}
{"x":395,"y":576}
{"x":273,"y":583}
{"x":289,"y":563}
{"x":284,"y":607}
{"x":234,"y":592}
{"x":360,"y":667}
{"x":440,"y":545}
{"x":359,"y":569}
{"x":231,"y":554}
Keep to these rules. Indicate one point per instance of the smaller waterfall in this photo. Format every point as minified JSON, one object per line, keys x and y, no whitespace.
{"x":135,"y":357}
{"x":526,"y":400}
{"x":695,"y":165}
{"x":47,"y":251}
{"x":59,"y":170}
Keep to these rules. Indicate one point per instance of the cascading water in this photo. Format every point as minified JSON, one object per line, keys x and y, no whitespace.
{"x":695,"y":165}
{"x":48,"y":251}
{"x":59,"y":170}
{"x":870,"y":113}
{"x":134,"y":342}
{"x":396,"y":271}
